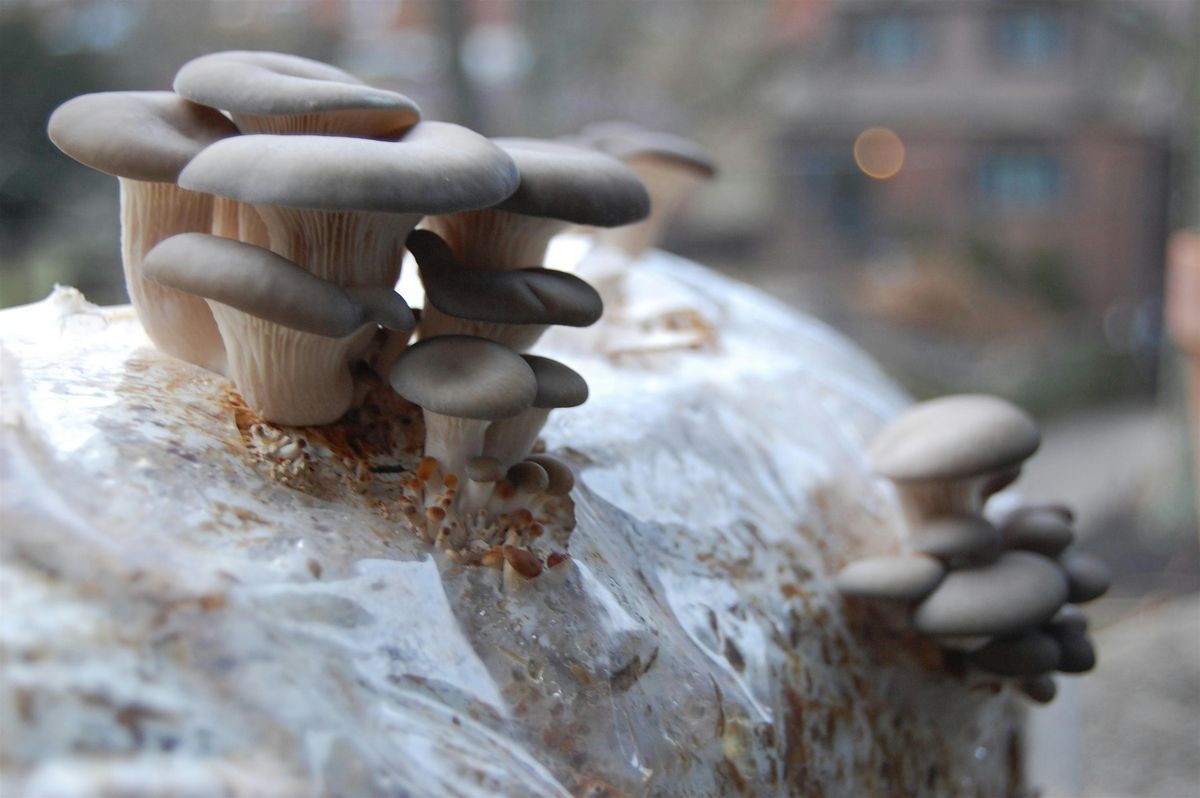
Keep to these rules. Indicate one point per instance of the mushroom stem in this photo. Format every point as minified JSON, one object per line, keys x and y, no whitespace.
{"x":452,"y":441}
{"x":494,"y":240}
{"x":509,"y":440}
{"x":179,"y":324}
{"x":926,"y":501}
{"x":287,"y":376}
{"x":518,"y":337}
{"x":343,"y":247}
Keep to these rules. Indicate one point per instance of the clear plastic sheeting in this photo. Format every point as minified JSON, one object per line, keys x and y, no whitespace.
{"x":177,"y":622}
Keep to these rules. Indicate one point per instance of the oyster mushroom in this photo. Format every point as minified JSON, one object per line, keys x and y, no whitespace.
{"x":512,"y":307}
{"x":145,"y":139}
{"x":509,"y":440}
{"x":1046,"y":529}
{"x":342,"y":207}
{"x":958,"y":540}
{"x":671,"y":167}
{"x":1027,"y":654}
{"x":290,"y":337}
{"x":1088,"y":577}
{"x":562,"y":479}
{"x":482,"y":474}
{"x":944,"y":454}
{"x":908,"y":577}
{"x":462,"y":384}
{"x":1018,"y":591}
{"x":266,"y":92}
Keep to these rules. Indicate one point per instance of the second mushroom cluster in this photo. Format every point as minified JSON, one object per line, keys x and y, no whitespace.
{"x":1000,"y":594}
{"x":267,"y":203}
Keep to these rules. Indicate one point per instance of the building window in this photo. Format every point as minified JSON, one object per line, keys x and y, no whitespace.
{"x":1029,"y":38}
{"x":892,"y":42}
{"x":1021,"y":180}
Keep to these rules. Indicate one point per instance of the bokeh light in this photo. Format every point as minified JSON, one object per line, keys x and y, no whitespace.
{"x":879,"y":153}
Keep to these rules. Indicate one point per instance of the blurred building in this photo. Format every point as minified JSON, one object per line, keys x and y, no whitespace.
{"x":1024,"y":156}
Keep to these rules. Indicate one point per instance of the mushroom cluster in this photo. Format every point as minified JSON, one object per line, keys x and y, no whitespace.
{"x":996,"y":594}
{"x":267,"y":203}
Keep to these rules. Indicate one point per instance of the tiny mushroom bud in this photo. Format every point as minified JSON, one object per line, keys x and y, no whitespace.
{"x":509,"y":440}
{"x":944,"y":453}
{"x":144,"y":139}
{"x":1018,"y":591}
{"x":290,"y":337}
{"x":511,"y":307}
{"x":671,"y":167}
{"x":462,"y":383}
{"x":897,"y":578}
{"x":267,"y":92}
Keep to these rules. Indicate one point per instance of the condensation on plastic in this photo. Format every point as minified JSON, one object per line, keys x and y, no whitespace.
{"x":175,"y":622}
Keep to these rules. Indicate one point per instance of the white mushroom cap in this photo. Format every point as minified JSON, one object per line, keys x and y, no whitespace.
{"x":1018,"y":591}
{"x":954,"y":437}
{"x":269,"y":92}
{"x":893,"y":578}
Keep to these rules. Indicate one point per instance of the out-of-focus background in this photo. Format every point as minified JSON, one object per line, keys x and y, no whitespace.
{"x":980,"y":192}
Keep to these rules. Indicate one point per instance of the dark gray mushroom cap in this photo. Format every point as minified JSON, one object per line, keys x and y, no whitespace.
{"x":954,"y":437}
{"x":1017,"y":591}
{"x":520,"y":296}
{"x":1077,"y":653}
{"x":142,"y":135}
{"x":573,"y":184}
{"x":1040,"y":688}
{"x":272,"y":84}
{"x":434,"y":168}
{"x":528,"y":477}
{"x":1046,"y":530}
{"x":1088,"y":577}
{"x":627,"y":141}
{"x":893,"y":578}
{"x":1028,"y":654}
{"x":259,"y":282}
{"x":562,"y":479}
{"x":954,"y":537}
{"x":558,"y":385}
{"x":465,"y":377}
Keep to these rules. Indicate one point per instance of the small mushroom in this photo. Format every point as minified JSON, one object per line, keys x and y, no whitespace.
{"x":482,"y":474}
{"x":1045,"y":529}
{"x":1088,"y":577}
{"x":528,"y":479}
{"x":509,"y":440}
{"x":342,"y":207}
{"x":144,"y":139}
{"x":1078,"y":655}
{"x":1019,"y":591}
{"x":1040,"y":688}
{"x":1027,"y":654}
{"x":562,"y":479}
{"x":671,"y":167}
{"x":958,"y":540}
{"x":560,"y":184}
{"x":945,"y":453}
{"x":290,"y":337}
{"x":267,"y":92}
{"x":512,"y":307}
{"x":462,"y":384}
{"x":908,"y":577}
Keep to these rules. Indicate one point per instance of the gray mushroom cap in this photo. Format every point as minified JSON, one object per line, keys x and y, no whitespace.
{"x":627,"y":141}
{"x":141,"y":135}
{"x":956,"y":537}
{"x":528,"y":477}
{"x":954,"y":437}
{"x":435,"y":167}
{"x":276,"y":84}
{"x":1088,"y":577}
{"x":558,"y":385}
{"x":520,"y":296}
{"x":573,"y":184}
{"x":1044,"y":529}
{"x":259,"y":282}
{"x":562,"y":479}
{"x":1028,"y":654}
{"x":464,"y":377}
{"x":891,"y":578}
{"x":1017,"y":591}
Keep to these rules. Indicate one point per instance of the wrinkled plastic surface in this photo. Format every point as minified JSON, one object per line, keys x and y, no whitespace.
{"x":176,"y":622}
